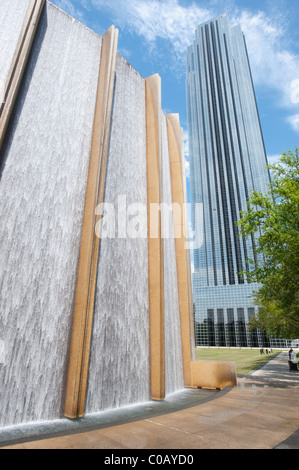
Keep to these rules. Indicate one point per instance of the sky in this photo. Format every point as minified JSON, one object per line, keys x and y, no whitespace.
{"x":154,"y":36}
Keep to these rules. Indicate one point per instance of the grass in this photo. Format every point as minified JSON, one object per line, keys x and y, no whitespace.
{"x":246,"y":359}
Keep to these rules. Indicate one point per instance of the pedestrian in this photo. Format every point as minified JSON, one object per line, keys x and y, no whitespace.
{"x":290,"y":354}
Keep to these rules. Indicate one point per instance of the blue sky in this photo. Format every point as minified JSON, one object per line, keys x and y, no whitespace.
{"x":154,"y":35}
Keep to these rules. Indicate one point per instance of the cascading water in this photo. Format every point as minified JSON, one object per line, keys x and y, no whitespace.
{"x":174,"y":379}
{"x":11,"y":21}
{"x":119,"y":362}
{"x":43,"y":173}
{"x":42,"y":191}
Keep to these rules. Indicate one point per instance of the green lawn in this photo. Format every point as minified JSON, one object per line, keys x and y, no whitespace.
{"x":246,"y":359}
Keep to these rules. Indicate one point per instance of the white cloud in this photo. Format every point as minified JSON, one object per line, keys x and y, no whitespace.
{"x":273,"y":158}
{"x":69,"y":7}
{"x":154,"y":20}
{"x":295,"y":91}
{"x":186,"y":154}
{"x":187,"y":168}
{"x":274,"y":65}
{"x":186,"y":144}
{"x":294,"y":122}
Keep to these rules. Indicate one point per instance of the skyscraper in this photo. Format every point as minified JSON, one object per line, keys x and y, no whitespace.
{"x":227,"y":162}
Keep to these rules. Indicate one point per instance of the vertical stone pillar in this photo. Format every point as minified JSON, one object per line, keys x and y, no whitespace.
{"x":155,"y":242}
{"x":18,"y":65}
{"x":182,"y":255}
{"x":87,"y":268}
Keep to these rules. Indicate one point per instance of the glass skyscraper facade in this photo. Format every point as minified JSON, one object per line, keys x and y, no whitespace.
{"x":227,"y":162}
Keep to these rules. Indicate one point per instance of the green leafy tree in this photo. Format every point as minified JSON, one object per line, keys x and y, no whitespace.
{"x":273,"y":221}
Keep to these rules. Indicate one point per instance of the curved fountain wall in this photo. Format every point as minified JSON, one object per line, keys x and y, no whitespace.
{"x":119,"y":362}
{"x":43,"y":176}
{"x":174,"y":377}
{"x":44,"y":164}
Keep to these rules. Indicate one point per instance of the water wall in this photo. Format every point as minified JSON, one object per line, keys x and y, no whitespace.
{"x":44,"y":163}
{"x":13,"y":13}
{"x":174,"y":378}
{"x":44,"y":168}
{"x":119,"y":362}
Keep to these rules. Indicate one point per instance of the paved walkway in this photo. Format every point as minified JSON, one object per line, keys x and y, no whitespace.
{"x":262,"y":412}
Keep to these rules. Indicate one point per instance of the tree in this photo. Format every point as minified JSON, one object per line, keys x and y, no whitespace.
{"x":273,"y":220}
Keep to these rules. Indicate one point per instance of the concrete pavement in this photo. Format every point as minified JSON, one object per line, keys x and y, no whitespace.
{"x":262,"y":412}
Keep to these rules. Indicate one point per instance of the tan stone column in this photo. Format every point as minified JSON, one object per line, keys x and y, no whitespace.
{"x":155,"y":242}
{"x":182,"y":260}
{"x":87,"y":268}
{"x":18,"y":65}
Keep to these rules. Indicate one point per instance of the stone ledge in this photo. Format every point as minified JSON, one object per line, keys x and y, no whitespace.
{"x":213,"y":374}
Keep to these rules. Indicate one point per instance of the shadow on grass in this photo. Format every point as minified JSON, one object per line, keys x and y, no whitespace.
{"x":246,"y":360}
{"x":253,"y":365}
